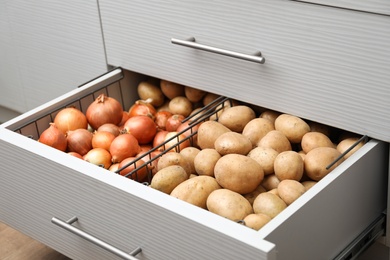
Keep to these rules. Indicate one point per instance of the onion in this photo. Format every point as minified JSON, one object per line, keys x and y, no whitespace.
{"x":148,"y":156}
{"x":142,"y":108}
{"x":138,"y":175}
{"x":114,"y":129}
{"x":142,"y":128}
{"x":77,"y":155}
{"x":104,"y":110}
{"x":173,"y":145}
{"x":123,"y":146}
{"x":53,"y":137}
{"x":125,"y":117}
{"x":79,"y":141}
{"x":69,"y":119}
{"x":190,"y":132}
{"x":98,"y":156}
{"x":159,"y":138}
{"x":102,"y":139}
{"x":161,"y":119}
{"x":173,"y":122}
{"x":114,"y":167}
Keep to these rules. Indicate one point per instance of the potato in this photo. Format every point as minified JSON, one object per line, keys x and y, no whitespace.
{"x":270,"y":182}
{"x":232,"y":142}
{"x":290,"y":190}
{"x":149,"y":91}
{"x":265,"y":157}
{"x":173,"y":158}
{"x":288,"y":165}
{"x":293,"y":127}
{"x":235,"y":118}
{"x":271,"y":115}
{"x":180,"y":105}
{"x":196,"y":190}
{"x":274,"y":191}
{"x":238,"y":173}
{"x":318,"y":159}
{"x":251,"y":196}
{"x":318,"y":127}
{"x":168,"y":178}
{"x":308,"y":184}
{"x":347,"y":143}
{"x":205,"y":161}
{"x":276,"y":140}
{"x":269,"y":204}
{"x":189,"y":154}
{"x":171,"y":89}
{"x":256,"y":129}
{"x":312,"y":140}
{"x":193,"y":94}
{"x":208,"y":132}
{"x":228,"y":204}
{"x":256,"y":221}
{"x":208,"y":98}
{"x":222,"y":107}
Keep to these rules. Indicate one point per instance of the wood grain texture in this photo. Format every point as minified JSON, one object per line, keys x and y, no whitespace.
{"x":323,"y":64}
{"x":16,"y":246}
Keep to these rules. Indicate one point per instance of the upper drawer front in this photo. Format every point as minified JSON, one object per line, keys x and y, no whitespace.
{"x":322,"y":63}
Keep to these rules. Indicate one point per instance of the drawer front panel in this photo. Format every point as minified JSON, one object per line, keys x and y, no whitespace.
{"x":322,"y":63}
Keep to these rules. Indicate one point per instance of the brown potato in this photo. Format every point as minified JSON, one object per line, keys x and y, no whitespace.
{"x":173,"y":158}
{"x":232,"y":142}
{"x":293,"y":127}
{"x":228,"y":204}
{"x":345,"y":144}
{"x":189,"y":154}
{"x":238,"y":173}
{"x":205,"y":160}
{"x":193,"y":94}
{"x":318,"y":127}
{"x":256,"y":221}
{"x":208,"y":98}
{"x":148,"y":91}
{"x":251,"y":196}
{"x":313,"y":140}
{"x":276,"y":140}
{"x":270,"y":182}
{"x":290,"y":190}
{"x":180,"y":105}
{"x":288,"y":165}
{"x":208,"y":132}
{"x":269,"y":204}
{"x":265,"y":157}
{"x":256,"y":129}
{"x":308,"y":184}
{"x":167,"y":179}
{"x":171,"y":89}
{"x":235,"y":118}
{"x":196,"y":190}
{"x":318,"y":159}
{"x":271,"y":115}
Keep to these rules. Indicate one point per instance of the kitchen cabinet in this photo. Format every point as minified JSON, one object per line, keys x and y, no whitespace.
{"x":47,"y":48}
{"x":321,"y":63}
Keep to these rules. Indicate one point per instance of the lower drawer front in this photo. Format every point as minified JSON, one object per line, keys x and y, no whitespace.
{"x":321,"y":63}
{"x":39,"y":183}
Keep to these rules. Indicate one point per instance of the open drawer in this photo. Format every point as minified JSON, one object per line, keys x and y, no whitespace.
{"x":40,"y":184}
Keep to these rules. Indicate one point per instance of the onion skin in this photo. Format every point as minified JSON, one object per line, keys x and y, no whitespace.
{"x":143,"y":128}
{"x":102,"y":139}
{"x":161,"y":119}
{"x":104,"y":110}
{"x":69,"y":119}
{"x":142,"y":108}
{"x":173,"y":145}
{"x":99,"y":157}
{"x":53,"y":137}
{"x":173,"y":122}
{"x":79,"y":141}
{"x":159,"y":138}
{"x":138,"y":175}
{"x":77,"y":155}
{"x":123,"y":146}
{"x":114,"y":129}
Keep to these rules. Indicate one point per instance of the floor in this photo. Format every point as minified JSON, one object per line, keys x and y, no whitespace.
{"x":17,"y":246}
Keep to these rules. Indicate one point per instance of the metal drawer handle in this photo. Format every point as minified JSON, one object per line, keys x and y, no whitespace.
{"x":192,"y":44}
{"x":67,"y":225}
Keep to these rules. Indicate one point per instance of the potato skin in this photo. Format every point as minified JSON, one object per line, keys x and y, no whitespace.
{"x":205,"y":160}
{"x":313,"y":140}
{"x":256,"y":221}
{"x":318,"y":159}
{"x":293,"y":127}
{"x":269,"y":204}
{"x":208,"y":132}
{"x":232,"y":142}
{"x":235,"y":118}
{"x":238,"y":173}
{"x":168,"y":178}
{"x":290,"y":190}
{"x":288,"y":165}
{"x":228,"y":204}
{"x":256,"y":129}
{"x":196,"y":190}
{"x":276,"y":140}
{"x":265,"y":157}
